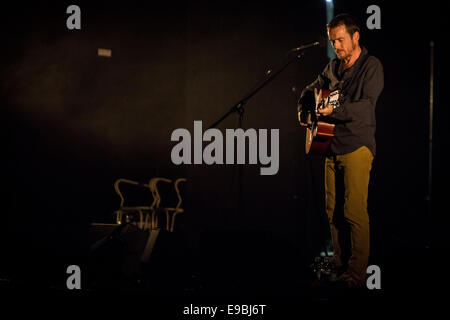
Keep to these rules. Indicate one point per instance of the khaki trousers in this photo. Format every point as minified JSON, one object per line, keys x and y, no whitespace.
{"x":346,"y":191}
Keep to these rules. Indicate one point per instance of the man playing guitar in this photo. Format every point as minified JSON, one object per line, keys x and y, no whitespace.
{"x":359,"y":78}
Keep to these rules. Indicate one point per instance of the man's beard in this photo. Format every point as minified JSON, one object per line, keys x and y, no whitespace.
{"x":348,"y":55}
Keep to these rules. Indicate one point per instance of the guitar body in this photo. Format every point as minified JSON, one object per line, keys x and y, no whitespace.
{"x":318,"y":139}
{"x":320,"y":133}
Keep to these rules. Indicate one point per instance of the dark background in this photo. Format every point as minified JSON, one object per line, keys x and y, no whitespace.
{"x":74,"y":122}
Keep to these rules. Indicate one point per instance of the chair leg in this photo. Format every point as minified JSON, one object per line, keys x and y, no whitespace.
{"x":154,"y":220}
{"x":146,"y":221}
{"x":119,"y":216}
{"x":141,"y":219}
{"x":173,"y":221}
{"x":167,"y":220}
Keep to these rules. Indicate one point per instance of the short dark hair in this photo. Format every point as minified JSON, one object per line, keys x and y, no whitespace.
{"x":347,"y":20}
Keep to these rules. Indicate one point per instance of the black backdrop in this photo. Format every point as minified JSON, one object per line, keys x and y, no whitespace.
{"x":74,"y":122}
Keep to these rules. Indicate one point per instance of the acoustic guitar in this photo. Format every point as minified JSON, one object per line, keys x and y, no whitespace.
{"x":320,"y":133}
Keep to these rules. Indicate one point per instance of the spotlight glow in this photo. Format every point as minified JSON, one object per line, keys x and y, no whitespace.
{"x":330,"y":13}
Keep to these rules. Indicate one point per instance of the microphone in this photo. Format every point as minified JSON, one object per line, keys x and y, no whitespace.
{"x":306,"y":46}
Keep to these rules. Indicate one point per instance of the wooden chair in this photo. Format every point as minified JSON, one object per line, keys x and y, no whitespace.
{"x":174,"y":210}
{"x":127,"y":213}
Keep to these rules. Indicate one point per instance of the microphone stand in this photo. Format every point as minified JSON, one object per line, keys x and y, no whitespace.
{"x":239,"y":107}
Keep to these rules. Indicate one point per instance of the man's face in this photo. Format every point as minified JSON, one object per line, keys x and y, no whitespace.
{"x":344,"y":44}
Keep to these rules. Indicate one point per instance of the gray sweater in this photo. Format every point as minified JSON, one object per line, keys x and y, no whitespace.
{"x":354,"y":119}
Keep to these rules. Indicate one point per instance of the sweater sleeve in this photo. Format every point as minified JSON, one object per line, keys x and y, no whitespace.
{"x":373,"y":82}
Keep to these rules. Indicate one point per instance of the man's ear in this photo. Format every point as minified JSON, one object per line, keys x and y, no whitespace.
{"x":356,"y":36}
